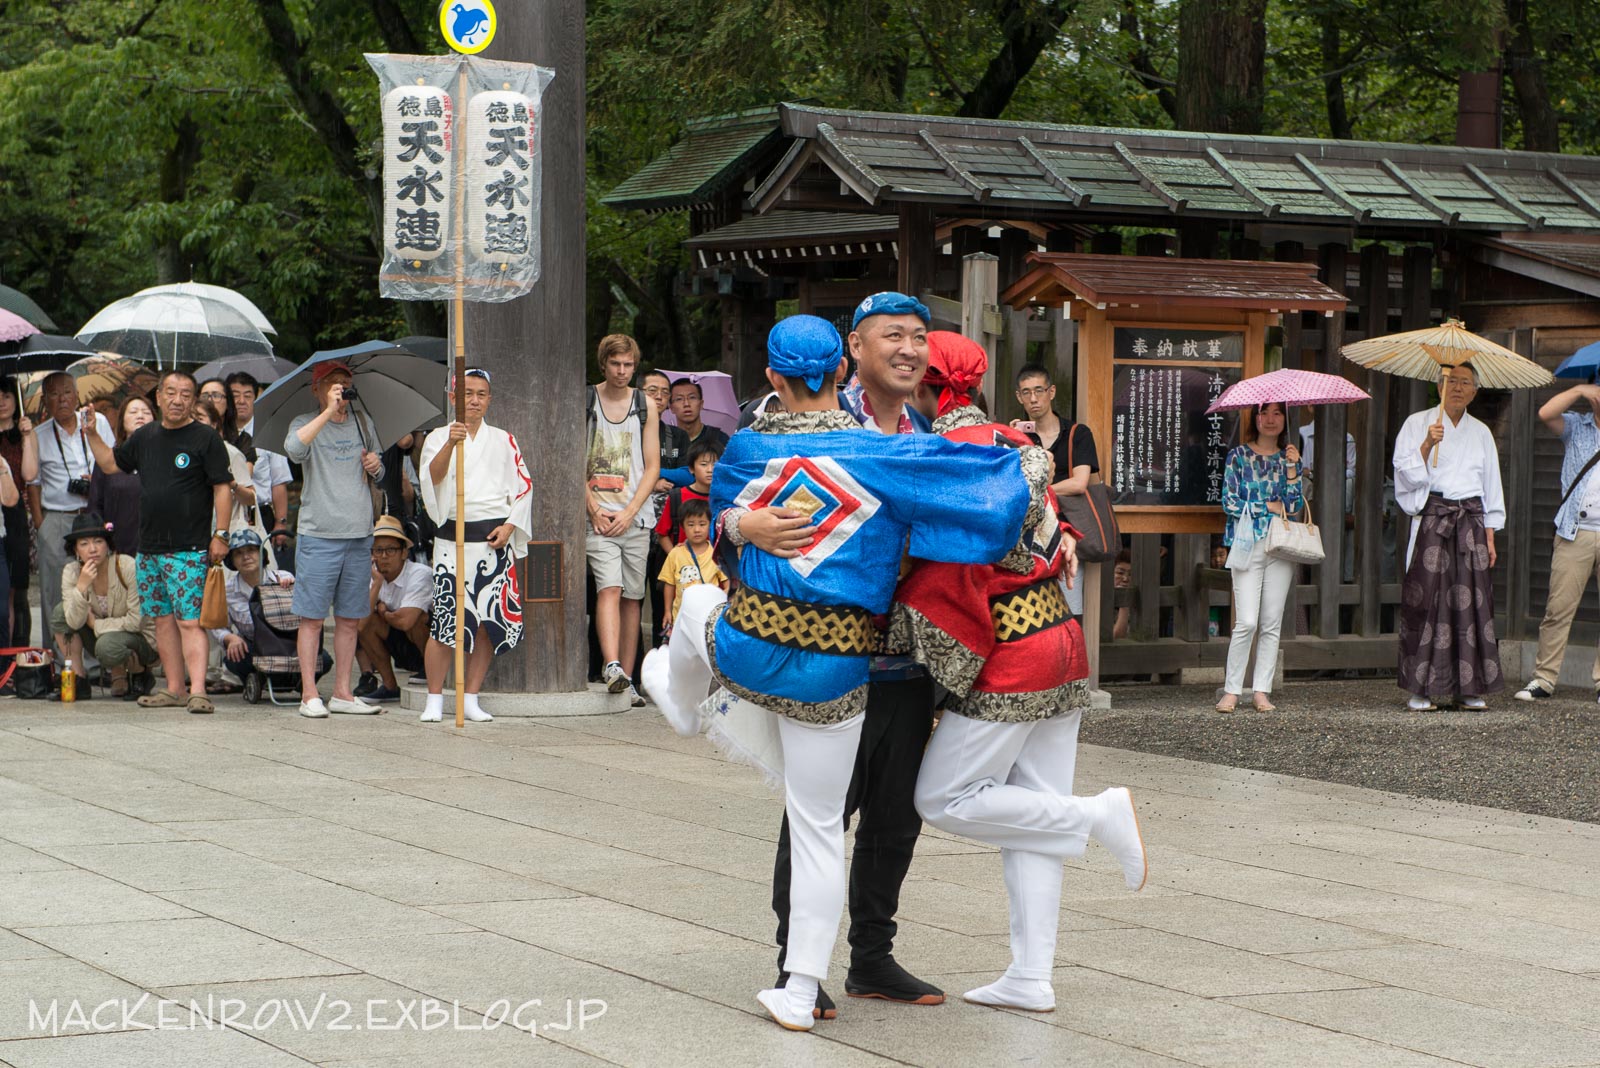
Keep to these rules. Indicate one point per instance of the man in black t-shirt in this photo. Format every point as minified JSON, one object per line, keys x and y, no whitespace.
{"x":1074,"y":454}
{"x":184,"y":502}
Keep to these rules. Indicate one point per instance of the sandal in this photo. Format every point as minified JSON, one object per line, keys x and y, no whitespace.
{"x":161,"y":699}
{"x":1228,"y":704}
{"x":1264,"y":706}
{"x":201,"y":705}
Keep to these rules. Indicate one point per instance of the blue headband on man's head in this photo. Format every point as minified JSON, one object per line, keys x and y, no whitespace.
{"x":890,"y":303}
{"x":805,"y":347}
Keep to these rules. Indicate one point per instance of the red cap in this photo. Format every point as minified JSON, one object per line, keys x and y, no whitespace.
{"x":328,"y":367}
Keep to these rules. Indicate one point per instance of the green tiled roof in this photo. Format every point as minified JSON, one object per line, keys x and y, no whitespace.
{"x":1134,"y":175}
{"x":712,"y":154}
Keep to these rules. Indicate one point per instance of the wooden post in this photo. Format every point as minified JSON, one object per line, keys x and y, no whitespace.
{"x":536,"y":350}
{"x":980,"y":289}
{"x":1330,"y":438}
{"x":915,"y":247}
{"x":1372,"y":458}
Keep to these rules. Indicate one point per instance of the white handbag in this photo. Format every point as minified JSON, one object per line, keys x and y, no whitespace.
{"x":1298,"y":543}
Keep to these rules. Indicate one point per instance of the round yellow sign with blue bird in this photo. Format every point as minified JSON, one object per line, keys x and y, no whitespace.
{"x":468,"y":25}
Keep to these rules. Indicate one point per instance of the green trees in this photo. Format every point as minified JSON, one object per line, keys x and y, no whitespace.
{"x":231,"y":141}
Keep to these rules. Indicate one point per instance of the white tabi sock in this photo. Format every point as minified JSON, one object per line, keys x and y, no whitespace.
{"x":472,"y":711}
{"x":1034,"y":995}
{"x":433,"y":709}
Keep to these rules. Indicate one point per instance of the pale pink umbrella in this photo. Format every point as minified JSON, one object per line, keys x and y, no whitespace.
{"x":15,"y":327}
{"x":1288,"y":387}
{"x":720,"y":407}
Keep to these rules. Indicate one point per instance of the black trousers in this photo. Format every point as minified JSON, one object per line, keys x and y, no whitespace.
{"x":882,"y":791}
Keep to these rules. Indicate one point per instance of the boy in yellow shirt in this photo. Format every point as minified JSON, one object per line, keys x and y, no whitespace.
{"x":690,"y":563}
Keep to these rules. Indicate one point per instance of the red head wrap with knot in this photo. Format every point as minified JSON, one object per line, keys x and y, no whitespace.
{"x":955,"y":367}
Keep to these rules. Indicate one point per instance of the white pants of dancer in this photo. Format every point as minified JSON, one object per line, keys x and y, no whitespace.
{"x":686,"y":650}
{"x":1010,"y":785}
{"x":817,"y":764}
{"x":1260,"y":589}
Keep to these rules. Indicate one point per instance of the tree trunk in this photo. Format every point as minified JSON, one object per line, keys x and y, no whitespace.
{"x":172,"y":265}
{"x":1333,"y":62}
{"x":1541,"y":127}
{"x":1028,"y":28}
{"x":1142,"y":65}
{"x":1222,"y":48}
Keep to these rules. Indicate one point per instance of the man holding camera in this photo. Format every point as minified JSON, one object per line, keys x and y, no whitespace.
{"x":62,"y":490}
{"x":333,"y":554}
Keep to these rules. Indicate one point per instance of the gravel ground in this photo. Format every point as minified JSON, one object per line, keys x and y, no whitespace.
{"x":1536,"y":757}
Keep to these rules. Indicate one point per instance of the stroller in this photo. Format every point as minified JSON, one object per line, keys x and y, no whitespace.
{"x":275,"y":658}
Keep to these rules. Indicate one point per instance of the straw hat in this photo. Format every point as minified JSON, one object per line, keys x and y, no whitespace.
{"x":389,"y":527}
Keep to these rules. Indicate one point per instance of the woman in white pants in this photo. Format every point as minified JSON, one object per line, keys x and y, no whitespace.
{"x":1262,"y":479}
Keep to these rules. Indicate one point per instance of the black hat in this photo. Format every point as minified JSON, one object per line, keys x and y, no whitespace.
{"x":86,"y":525}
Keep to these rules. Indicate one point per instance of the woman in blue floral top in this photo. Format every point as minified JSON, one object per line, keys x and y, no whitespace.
{"x":1262,"y":479}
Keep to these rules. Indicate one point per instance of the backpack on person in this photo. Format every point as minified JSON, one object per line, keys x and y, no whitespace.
{"x":638,"y":409}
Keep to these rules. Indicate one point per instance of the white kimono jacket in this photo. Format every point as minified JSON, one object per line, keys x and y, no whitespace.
{"x":1468,"y":466}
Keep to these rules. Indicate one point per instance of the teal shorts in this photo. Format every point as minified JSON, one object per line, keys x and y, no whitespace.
{"x":173,"y":584}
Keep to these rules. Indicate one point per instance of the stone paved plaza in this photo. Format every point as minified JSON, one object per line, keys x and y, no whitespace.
{"x":306,"y":879}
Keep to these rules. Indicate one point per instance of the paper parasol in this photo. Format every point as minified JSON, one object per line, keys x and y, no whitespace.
{"x":1289,"y":387}
{"x":1425,"y":353}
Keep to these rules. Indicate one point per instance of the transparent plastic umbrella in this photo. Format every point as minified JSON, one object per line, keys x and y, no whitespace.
{"x":172,"y":329}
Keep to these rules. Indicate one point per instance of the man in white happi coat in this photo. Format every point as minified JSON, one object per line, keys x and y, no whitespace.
{"x":1447,"y":477}
{"x":499,"y":512}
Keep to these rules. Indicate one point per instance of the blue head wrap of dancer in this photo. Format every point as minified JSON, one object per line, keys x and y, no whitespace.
{"x":890,"y":303}
{"x":804,"y":347}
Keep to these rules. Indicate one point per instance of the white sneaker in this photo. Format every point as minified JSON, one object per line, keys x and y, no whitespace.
{"x":1116,"y":826}
{"x":635,"y":697}
{"x":353,"y":707}
{"x":476,"y":715}
{"x":614,"y":677}
{"x":314,"y":709}
{"x":432,"y":716}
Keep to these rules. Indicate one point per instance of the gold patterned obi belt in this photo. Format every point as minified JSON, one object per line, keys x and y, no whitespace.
{"x":1029,"y":610}
{"x":839,"y":630}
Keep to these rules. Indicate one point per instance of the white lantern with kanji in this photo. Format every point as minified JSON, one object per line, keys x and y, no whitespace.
{"x":502,"y":177}
{"x":418,"y":171}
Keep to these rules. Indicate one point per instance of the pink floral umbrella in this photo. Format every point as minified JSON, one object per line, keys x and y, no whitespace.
{"x":15,"y":327}
{"x":1288,"y":387}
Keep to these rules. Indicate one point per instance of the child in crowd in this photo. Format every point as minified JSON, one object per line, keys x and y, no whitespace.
{"x":690,"y":563}
{"x":703,"y":457}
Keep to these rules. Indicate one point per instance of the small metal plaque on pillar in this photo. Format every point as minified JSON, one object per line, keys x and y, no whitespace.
{"x":543,"y":583}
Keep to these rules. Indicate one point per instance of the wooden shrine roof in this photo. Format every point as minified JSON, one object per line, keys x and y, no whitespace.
{"x":713,"y":154}
{"x":1106,"y":281}
{"x":1142,"y":176}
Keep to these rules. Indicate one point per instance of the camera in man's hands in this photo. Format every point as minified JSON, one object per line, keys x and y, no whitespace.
{"x":349,"y":393}
{"x":78,"y":487}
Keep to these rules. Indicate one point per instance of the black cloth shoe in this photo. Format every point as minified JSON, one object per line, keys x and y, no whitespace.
{"x":825,"y":1010}
{"x":887,"y":980}
{"x":367,"y":683}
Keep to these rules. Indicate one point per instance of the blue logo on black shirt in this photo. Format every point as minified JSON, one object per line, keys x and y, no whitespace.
{"x":181,"y":460}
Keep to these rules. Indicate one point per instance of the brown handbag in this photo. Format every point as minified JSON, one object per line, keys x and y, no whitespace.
{"x":214,"y":605}
{"x":1091,"y":515}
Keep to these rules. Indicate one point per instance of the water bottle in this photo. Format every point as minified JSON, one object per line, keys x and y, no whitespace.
{"x":69,"y":684}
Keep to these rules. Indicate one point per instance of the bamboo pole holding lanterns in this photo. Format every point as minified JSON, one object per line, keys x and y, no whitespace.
{"x":458,"y":388}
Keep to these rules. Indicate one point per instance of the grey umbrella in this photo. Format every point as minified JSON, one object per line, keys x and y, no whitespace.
{"x":258,"y":365}
{"x":399,"y":390}
{"x":19,"y":303}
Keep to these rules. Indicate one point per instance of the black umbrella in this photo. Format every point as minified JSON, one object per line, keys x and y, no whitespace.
{"x":41,"y":352}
